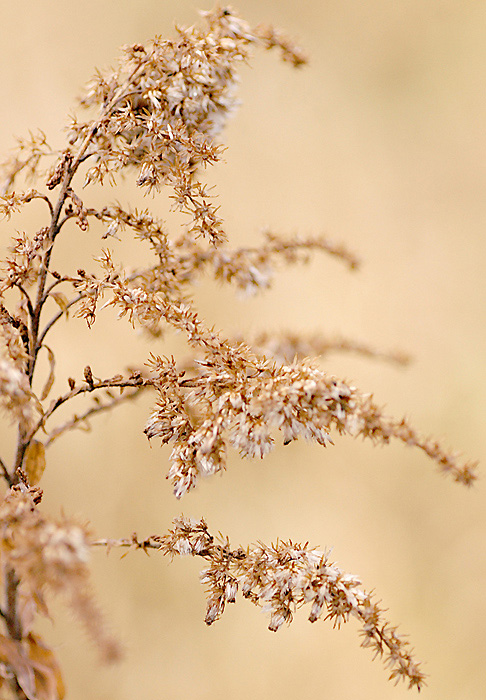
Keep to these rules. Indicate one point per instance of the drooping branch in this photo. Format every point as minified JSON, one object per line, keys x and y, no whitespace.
{"x":286,"y":346}
{"x":244,"y":395}
{"x":282,"y":578}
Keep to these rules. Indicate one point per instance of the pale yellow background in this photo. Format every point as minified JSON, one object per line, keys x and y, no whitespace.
{"x":380,"y":143}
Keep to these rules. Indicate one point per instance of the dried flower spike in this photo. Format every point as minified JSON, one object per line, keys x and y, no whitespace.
{"x":280,"y":579}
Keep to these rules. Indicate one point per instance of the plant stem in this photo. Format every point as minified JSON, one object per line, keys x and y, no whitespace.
{"x":12,"y":622}
{"x":14,"y":626}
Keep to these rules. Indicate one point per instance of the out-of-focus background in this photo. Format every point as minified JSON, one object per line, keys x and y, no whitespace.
{"x":380,"y":143}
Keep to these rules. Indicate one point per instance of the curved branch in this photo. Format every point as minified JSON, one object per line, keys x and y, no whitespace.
{"x":70,"y":168}
{"x":281,"y":578}
{"x":56,"y":318}
{"x":136,"y":381}
{"x":5,"y":474}
{"x":27,"y":299}
{"x":94,"y":410}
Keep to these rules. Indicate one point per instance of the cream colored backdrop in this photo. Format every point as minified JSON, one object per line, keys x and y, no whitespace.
{"x":381,"y":143}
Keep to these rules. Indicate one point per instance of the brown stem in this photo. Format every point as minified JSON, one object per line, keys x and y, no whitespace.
{"x":6,"y":475}
{"x":56,"y":318}
{"x":13,"y":624}
{"x":136,"y":383}
{"x":17,"y":690}
{"x":94,"y":410}
{"x":54,"y":228}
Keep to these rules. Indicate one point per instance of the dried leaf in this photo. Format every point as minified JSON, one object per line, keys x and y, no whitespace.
{"x":48,"y":680}
{"x":4,"y":674}
{"x":35,"y":461}
{"x":13,"y":655}
{"x":27,"y":608}
{"x":61,"y":300}
{"x":50,"y":378}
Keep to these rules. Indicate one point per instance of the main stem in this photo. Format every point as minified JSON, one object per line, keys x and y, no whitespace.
{"x":11,"y":613}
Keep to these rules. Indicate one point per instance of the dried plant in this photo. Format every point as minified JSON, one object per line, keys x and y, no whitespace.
{"x":157,"y":117}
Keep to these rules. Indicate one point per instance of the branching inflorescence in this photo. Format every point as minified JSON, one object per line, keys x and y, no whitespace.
{"x":281,"y":578}
{"x":157,"y":115}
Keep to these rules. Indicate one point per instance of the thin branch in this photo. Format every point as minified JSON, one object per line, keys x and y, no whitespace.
{"x":27,"y":299}
{"x":67,"y":178}
{"x":114,"y":382}
{"x":16,"y":323}
{"x":94,"y":410}
{"x":86,"y":156}
{"x":54,"y":227}
{"x":281,"y":246}
{"x":44,"y":197}
{"x":288,"y":346}
{"x":56,"y":318}
{"x":65,"y":218}
{"x":75,"y":300}
{"x":6,"y":473}
{"x":57,"y":281}
{"x":128,"y":542}
{"x":48,"y":202}
{"x":12,"y":620}
{"x":10,"y":179}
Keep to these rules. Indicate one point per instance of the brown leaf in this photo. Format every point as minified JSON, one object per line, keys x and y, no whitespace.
{"x":50,"y":378}
{"x":35,"y":461}
{"x":61,"y":300}
{"x":13,"y":655}
{"x":48,"y":680}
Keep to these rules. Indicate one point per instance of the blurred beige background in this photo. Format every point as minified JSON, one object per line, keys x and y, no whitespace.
{"x":380,"y":143}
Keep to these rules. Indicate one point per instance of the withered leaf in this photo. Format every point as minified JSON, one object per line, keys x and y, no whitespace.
{"x":35,"y":461}
{"x":47,"y":674}
{"x":61,"y":300}
{"x":12,"y":654}
{"x":50,"y":379}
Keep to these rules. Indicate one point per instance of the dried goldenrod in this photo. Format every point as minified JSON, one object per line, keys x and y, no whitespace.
{"x":279,"y":579}
{"x":156,"y":117}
